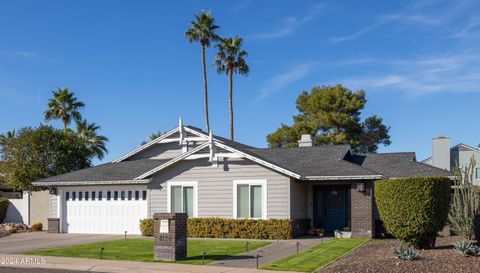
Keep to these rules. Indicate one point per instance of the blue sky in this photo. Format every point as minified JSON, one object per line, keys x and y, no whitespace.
{"x":130,"y":63}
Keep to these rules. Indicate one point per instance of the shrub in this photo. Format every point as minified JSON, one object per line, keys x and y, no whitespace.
{"x":146,"y":227}
{"x":3,"y":208}
{"x":277,"y":229}
{"x":465,"y":208}
{"x":414,"y":210}
{"x":409,"y":254}
{"x":37,"y":227}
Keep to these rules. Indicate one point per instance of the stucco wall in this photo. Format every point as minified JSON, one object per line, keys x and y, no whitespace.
{"x":215,"y":186}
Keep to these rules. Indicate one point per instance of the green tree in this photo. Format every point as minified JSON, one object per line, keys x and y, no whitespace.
{"x":331,"y":115}
{"x":152,"y":136}
{"x":94,"y":142}
{"x":202,"y":30}
{"x":36,"y":153}
{"x":65,"y":106}
{"x":230,"y":59}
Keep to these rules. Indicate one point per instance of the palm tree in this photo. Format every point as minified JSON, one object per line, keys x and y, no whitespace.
{"x":4,"y":138}
{"x":95,"y":143}
{"x":230,"y":59}
{"x":202,"y":30}
{"x":152,"y":136}
{"x":64,"y":106}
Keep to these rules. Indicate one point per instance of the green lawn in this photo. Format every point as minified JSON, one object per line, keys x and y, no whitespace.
{"x":313,"y":258}
{"x":142,"y":250}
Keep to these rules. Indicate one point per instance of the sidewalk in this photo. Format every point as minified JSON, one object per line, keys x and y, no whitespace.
{"x":93,"y":265}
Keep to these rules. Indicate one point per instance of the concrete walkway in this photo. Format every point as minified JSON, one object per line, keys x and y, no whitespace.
{"x":28,"y":241}
{"x":268,"y":254}
{"x":93,"y":265}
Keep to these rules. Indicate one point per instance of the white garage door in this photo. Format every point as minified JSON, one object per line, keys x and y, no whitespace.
{"x":104,"y":211}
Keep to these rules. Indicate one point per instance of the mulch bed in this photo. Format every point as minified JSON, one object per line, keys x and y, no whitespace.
{"x":377,"y":256}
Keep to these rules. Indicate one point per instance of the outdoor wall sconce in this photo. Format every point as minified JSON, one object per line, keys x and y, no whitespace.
{"x":361,"y":187}
{"x":53,"y":191}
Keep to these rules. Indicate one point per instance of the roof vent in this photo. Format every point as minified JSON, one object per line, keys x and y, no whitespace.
{"x":305,"y":141}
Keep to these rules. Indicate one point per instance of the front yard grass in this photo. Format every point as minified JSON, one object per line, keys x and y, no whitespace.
{"x":141,"y":250}
{"x":317,"y":256}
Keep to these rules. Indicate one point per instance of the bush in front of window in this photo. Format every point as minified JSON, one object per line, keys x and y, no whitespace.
{"x":3,"y":208}
{"x":414,"y":210}
{"x":146,"y":227}
{"x":274,"y":229}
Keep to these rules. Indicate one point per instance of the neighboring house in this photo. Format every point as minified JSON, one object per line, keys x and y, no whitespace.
{"x":6,"y":192}
{"x":447,"y":158}
{"x":188,"y":170}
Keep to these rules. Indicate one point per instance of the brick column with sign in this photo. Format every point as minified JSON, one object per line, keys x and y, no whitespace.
{"x":170,"y":236}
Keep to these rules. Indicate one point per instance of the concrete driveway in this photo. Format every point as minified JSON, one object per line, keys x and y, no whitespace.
{"x":23,"y":242}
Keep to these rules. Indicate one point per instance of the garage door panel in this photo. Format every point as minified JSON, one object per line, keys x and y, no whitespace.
{"x":103,"y":216}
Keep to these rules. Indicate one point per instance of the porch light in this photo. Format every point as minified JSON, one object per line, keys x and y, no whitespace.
{"x":361,"y":187}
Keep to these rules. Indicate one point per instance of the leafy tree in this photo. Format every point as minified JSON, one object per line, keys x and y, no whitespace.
{"x":64,"y":105}
{"x":36,"y":153}
{"x":331,"y":114}
{"x":152,"y":136}
{"x":230,"y":59}
{"x":202,"y":30}
{"x":95,"y":143}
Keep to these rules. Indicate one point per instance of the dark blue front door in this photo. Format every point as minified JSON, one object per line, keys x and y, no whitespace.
{"x":331,"y":205}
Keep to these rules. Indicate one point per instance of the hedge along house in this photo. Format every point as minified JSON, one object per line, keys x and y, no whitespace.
{"x":188,"y":170}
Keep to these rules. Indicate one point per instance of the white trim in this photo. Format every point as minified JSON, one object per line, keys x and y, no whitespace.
{"x":193,"y":184}
{"x":172,"y":161}
{"x":250,"y":182}
{"x":348,"y":177}
{"x":93,"y":183}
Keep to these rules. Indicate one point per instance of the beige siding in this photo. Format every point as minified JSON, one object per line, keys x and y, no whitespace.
{"x":159,"y":151}
{"x":215,"y":186}
{"x":298,"y":200}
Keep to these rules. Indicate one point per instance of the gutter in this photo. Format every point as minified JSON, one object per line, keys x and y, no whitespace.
{"x":77,"y":183}
{"x":348,"y":177}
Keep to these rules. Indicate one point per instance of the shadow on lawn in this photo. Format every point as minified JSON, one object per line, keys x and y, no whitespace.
{"x":208,"y":258}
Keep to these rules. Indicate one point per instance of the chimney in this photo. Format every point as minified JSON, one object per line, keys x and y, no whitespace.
{"x":441,"y":152}
{"x":305,"y":141}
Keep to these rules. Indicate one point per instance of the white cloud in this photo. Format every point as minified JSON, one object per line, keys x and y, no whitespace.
{"x":421,"y":76}
{"x":355,"y":34}
{"x":277,"y":83}
{"x":290,"y":24}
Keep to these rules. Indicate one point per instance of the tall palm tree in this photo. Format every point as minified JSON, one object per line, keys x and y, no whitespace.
{"x":95,"y":143}
{"x":202,"y":30}
{"x":152,"y":136}
{"x":64,"y":106}
{"x":230,"y":59}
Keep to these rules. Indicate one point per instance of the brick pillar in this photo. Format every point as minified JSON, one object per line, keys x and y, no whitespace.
{"x":170,"y":236}
{"x":362,"y":219}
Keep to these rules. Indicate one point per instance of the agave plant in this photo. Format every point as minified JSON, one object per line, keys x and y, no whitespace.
{"x":408,"y":254}
{"x":466,"y":248}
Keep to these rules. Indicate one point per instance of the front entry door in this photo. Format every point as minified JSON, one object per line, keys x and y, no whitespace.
{"x":331,"y":207}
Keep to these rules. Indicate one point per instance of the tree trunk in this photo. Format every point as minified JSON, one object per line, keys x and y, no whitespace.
{"x":230,"y":101}
{"x":205,"y":92}
{"x":65,"y":125}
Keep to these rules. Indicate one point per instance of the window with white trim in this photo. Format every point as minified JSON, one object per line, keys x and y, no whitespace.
{"x":182,"y":198}
{"x":250,"y":199}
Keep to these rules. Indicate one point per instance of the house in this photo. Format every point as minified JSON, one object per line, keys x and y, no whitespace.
{"x":189,"y":170}
{"x":447,"y":158}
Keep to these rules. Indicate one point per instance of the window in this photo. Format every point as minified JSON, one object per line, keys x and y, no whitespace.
{"x":74,"y":195}
{"x":137,"y":195}
{"x":250,"y":199}
{"x":129,"y":195}
{"x":182,"y":198}
{"x":122,"y":195}
{"x":80,"y":195}
{"x":100,"y":195}
{"x":144,"y":195}
{"x":109,"y":195}
{"x":477,"y":173}
{"x":86,"y":195}
{"x":67,"y":196}
{"x":93,"y":196}
{"x":115,"y":195}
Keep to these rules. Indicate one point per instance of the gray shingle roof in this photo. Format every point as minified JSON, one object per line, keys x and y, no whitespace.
{"x":396,"y":165}
{"x":324,"y":160}
{"x":125,"y":170}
